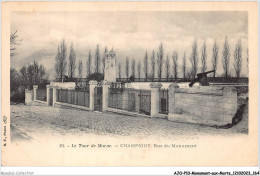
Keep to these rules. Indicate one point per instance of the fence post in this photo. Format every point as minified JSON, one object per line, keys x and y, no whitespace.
{"x":54,"y":95}
{"x":48,"y":94}
{"x":92,"y":85}
{"x":155,"y":98}
{"x":172,"y":89}
{"x":35,"y":87}
{"x":105,"y":86}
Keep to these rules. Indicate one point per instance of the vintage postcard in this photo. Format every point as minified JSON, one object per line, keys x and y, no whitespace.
{"x":129,"y":84}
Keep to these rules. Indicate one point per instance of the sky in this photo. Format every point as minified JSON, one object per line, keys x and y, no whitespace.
{"x":131,"y":34}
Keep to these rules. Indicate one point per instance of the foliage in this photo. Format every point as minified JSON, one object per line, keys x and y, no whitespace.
{"x":160,"y":55}
{"x":225,"y":58}
{"x":215,"y":57}
{"x":194,"y":59}
{"x":96,"y":76}
{"x":60,"y":66}
{"x":72,"y":61}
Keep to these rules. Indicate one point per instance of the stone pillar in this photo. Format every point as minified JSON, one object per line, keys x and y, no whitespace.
{"x":155,"y":98}
{"x":54,"y":95}
{"x":92,"y":85}
{"x":35,"y":87}
{"x":105,"y":92}
{"x":172,"y":89}
{"x":48,"y":94}
{"x":28,"y":97}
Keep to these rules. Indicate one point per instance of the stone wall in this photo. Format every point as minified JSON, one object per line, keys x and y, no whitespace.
{"x":203,"y":105}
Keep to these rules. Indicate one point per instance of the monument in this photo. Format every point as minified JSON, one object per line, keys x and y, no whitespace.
{"x":110,"y":66}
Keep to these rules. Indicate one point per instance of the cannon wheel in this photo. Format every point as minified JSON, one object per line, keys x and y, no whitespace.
{"x":235,"y":120}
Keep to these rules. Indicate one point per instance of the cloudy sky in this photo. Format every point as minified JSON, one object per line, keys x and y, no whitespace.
{"x":129,"y":33}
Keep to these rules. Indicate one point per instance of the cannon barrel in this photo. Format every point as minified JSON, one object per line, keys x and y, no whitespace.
{"x":205,"y":73}
{"x":202,"y":78}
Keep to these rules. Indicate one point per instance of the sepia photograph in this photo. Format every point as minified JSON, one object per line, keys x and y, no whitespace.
{"x":129,"y":84}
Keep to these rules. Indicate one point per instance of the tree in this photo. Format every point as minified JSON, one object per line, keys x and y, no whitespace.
{"x":80,"y":68}
{"x":215,"y":57}
{"x":97,"y":60}
{"x":225,"y":57}
{"x":146,"y":66}
{"x":167,"y":67}
{"x":127,"y":67}
{"x":133,"y":68}
{"x":194,"y":59}
{"x":184,"y":66}
{"x":61,"y":62}
{"x":32,"y":74}
{"x":24,"y":76}
{"x":119,"y":70}
{"x":104,"y":60}
{"x":15,"y":79}
{"x":72,"y":61}
{"x":247,"y":61}
{"x":175,"y":64}
{"x":238,"y":58}
{"x":14,"y":41}
{"x":153,"y":64}
{"x":42,"y":72}
{"x":89,"y":64}
{"x":139,"y":70}
{"x":160,"y":55}
{"x":204,"y":57}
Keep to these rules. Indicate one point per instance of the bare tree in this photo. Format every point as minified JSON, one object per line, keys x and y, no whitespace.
{"x":97,"y":60}
{"x":146,"y":65}
{"x":204,"y":57}
{"x":133,"y":68}
{"x":160,"y":55}
{"x":238,"y":58}
{"x":80,"y":68}
{"x":139,"y":70}
{"x":104,"y":60}
{"x":61,"y":62}
{"x":184,"y":66}
{"x":89,"y":64}
{"x":14,"y":41}
{"x":24,"y":76}
{"x":167,"y":67}
{"x":225,"y":57}
{"x":127,"y":67}
{"x":215,"y":57}
{"x":247,"y":62}
{"x":175,"y":64}
{"x":72,"y":61}
{"x":194,"y":58}
{"x":119,"y":70}
{"x":153,"y":64}
{"x":42,"y":72}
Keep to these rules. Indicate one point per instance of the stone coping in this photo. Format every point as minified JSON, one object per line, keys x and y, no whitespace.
{"x":39,"y":101}
{"x":120,"y":111}
{"x":72,"y":106}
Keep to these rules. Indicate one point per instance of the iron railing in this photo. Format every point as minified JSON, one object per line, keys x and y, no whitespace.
{"x":145,"y":102}
{"x":75,"y":97}
{"x":133,"y":100}
{"x":41,"y":94}
{"x":210,"y":80}
{"x":163,"y":101}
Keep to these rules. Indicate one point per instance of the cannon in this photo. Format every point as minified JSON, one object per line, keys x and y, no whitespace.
{"x":201,"y":78}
